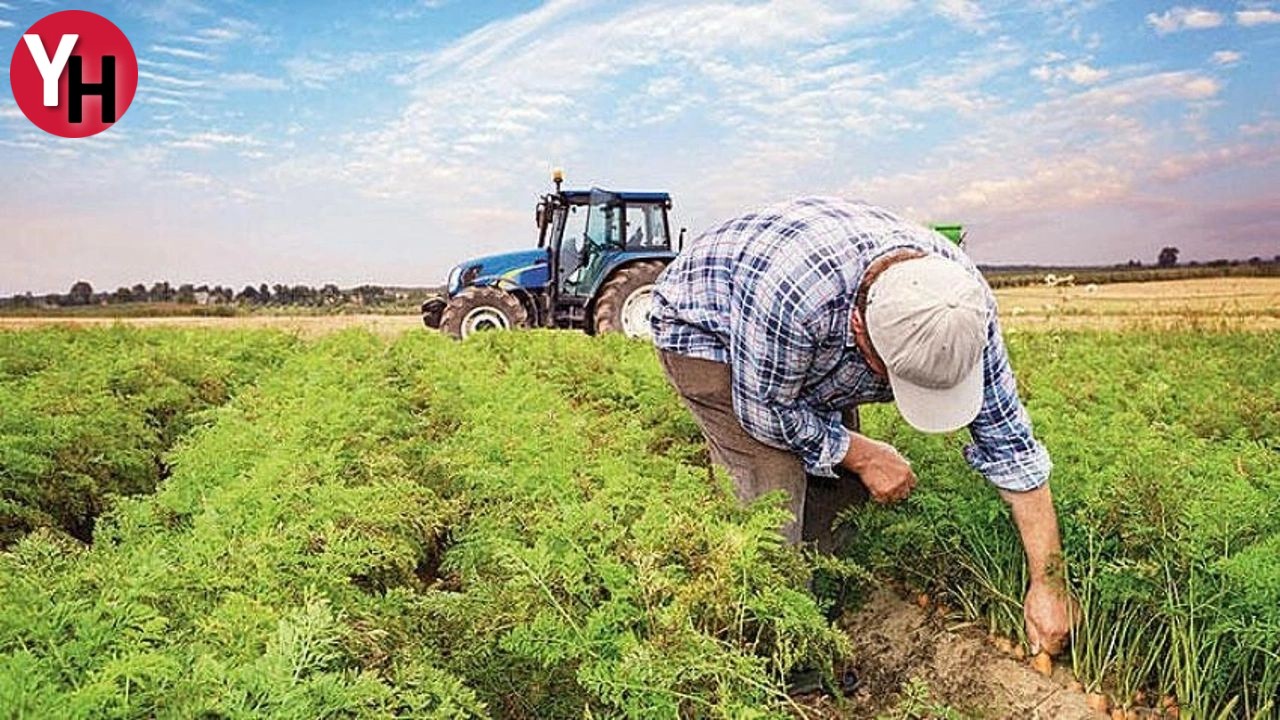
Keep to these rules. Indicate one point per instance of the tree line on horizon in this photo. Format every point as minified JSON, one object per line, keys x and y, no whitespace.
{"x":82,"y":294}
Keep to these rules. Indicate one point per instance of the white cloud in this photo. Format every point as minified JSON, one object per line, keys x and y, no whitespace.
{"x":417,"y":9}
{"x":1079,"y":73}
{"x":191,"y":179}
{"x":249,"y":81}
{"x":171,"y":67}
{"x":1226,"y":58}
{"x":1212,"y":160}
{"x":1082,"y":74}
{"x":1257,"y":16}
{"x":211,"y":36}
{"x":173,"y":93}
{"x":1182,"y":18}
{"x":228,"y":30}
{"x":967,"y":13}
{"x":1264,"y":126}
{"x":211,"y":139}
{"x":180,"y":52}
{"x":320,"y":70}
{"x":10,"y":112}
{"x":1145,"y":89}
{"x":170,"y":80}
{"x":175,"y":13}
{"x":5,"y":24}
{"x":154,"y":99}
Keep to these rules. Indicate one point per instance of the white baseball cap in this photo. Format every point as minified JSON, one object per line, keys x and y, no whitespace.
{"x":927,"y":319}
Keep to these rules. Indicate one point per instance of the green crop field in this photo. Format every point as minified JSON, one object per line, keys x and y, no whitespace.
{"x":201,"y":523}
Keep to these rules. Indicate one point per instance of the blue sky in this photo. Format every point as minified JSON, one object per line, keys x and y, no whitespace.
{"x":385,"y":141}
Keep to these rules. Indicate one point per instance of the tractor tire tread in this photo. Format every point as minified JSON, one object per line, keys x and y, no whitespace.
{"x":455,"y":311}
{"x":608,"y":308}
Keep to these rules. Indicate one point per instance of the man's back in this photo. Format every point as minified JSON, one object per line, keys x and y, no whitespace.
{"x":807,"y":255}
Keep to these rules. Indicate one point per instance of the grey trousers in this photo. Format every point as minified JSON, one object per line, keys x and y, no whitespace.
{"x":757,"y":468}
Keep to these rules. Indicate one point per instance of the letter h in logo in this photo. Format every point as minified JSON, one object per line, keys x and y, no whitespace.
{"x":78,"y":89}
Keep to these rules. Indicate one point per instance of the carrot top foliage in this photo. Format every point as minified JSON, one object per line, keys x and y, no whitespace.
{"x":524,"y":525}
{"x":428,"y":529}
{"x":88,"y":415}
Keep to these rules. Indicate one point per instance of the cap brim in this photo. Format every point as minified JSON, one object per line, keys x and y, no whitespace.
{"x":938,"y":411}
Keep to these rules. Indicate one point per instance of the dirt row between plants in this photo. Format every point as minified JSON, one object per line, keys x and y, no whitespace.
{"x":896,"y":642}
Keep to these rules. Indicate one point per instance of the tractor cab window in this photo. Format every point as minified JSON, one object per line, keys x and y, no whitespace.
{"x":604,"y":223}
{"x":573,"y":242}
{"x":646,"y":228}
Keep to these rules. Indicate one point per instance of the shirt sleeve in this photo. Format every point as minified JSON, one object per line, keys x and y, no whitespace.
{"x":772,"y":350}
{"x":1004,"y":449}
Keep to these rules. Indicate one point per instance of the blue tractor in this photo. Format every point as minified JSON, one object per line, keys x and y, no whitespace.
{"x":599,"y":253}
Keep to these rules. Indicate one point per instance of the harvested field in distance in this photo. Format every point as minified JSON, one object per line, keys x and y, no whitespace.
{"x":1241,"y":302}
{"x":1236,"y":302}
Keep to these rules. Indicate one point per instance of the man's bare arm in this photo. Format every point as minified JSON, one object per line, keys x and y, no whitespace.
{"x":1048,"y":608}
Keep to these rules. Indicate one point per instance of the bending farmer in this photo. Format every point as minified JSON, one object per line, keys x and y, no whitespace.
{"x":774,"y":325}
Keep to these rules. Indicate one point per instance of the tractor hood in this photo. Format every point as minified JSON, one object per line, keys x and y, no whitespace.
{"x":517,"y":267}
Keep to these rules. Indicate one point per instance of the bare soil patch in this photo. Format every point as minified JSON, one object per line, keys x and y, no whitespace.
{"x":896,"y":641}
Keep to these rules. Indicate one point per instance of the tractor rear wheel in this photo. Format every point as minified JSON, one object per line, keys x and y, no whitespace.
{"x":477,"y":309}
{"x":624,"y":301}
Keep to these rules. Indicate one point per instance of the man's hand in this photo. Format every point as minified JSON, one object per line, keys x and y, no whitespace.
{"x":882,"y":468}
{"x":1050,"y":614}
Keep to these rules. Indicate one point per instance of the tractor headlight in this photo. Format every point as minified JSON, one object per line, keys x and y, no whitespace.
{"x":455,"y":279}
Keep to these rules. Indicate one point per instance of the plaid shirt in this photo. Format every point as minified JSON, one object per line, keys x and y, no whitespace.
{"x":770,"y":293}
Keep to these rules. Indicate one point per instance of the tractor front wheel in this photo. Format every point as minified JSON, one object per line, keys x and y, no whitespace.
{"x":624,"y":301}
{"x":477,"y":309}
{"x":432,"y":309}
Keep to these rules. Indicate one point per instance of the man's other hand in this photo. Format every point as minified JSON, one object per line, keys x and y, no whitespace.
{"x":1050,"y":613}
{"x":882,"y":468}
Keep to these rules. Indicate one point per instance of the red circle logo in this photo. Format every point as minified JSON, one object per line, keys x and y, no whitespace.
{"x":73,"y":74}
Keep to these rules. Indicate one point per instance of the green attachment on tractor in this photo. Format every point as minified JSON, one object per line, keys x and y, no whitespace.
{"x":952,"y":232}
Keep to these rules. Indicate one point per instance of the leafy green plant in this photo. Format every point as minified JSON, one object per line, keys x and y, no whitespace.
{"x":427,"y":529}
{"x":88,"y":415}
{"x":525,"y":525}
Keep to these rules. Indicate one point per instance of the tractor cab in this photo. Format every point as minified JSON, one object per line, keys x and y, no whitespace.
{"x":598,"y":255}
{"x":592,"y":234}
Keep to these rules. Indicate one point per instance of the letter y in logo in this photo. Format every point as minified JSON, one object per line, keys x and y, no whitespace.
{"x":50,"y":70}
